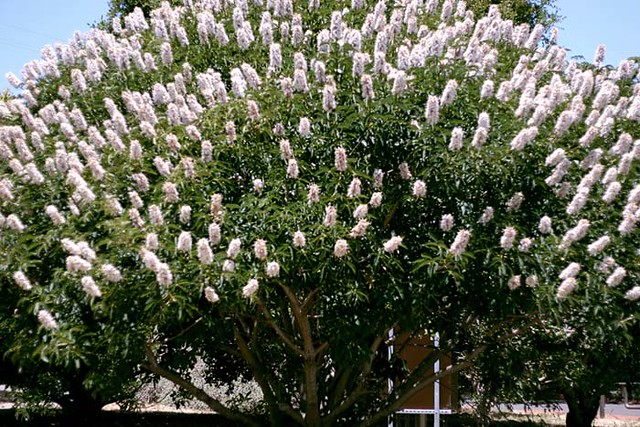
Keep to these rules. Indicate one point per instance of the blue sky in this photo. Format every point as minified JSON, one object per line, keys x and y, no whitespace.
{"x":588,"y":23}
{"x":27,"y":25}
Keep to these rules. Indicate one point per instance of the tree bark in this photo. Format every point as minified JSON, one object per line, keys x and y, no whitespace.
{"x":583,"y":407}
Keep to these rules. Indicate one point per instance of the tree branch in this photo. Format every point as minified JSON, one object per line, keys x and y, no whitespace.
{"x":365,"y":369}
{"x":152,"y":366}
{"x":261,"y":378}
{"x":283,"y":335}
{"x":312,"y":415}
{"x":185,"y":330}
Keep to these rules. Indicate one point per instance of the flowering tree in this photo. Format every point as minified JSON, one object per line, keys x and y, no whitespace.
{"x":272,"y":188}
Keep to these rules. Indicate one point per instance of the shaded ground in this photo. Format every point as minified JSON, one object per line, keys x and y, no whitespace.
{"x":118,"y":419}
{"x":168,"y":419}
{"x":172,"y":419}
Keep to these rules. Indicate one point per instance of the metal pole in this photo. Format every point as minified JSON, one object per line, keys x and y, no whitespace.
{"x":602,"y":401}
{"x":436,"y":385}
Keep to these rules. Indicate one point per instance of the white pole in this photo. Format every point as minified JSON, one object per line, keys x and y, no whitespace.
{"x":436,"y":385}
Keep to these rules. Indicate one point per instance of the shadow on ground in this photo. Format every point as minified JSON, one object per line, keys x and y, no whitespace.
{"x":118,"y":419}
{"x":169,"y":419}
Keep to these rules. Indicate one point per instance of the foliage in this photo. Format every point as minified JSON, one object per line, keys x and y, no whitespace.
{"x":273,"y":189}
{"x":530,"y":12}
{"x":577,"y":358}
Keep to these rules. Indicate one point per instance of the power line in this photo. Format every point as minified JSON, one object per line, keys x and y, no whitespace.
{"x":27,"y":30}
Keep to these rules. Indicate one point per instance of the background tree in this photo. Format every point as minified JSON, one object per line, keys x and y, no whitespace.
{"x":530,"y":12}
{"x":279,"y":186}
{"x":586,"y":358}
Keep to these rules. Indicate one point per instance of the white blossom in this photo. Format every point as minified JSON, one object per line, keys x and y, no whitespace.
{"x":204,"y":252}
{"x":170,"y":192}
{"x":13,"y":222}
{"x":531,"y":281}
{"x":22,"y":281}
{"x":258,"y":185}
{"x":508,"y":237}
{"x":216,"y":204}
{"x":76,"y":263}
{"x":392,"y":244}
{"x":598,"y":246}
{"x":135,"y":218}
{"x":378,"y":177}
{"x":228,"y":266}
{"x":185,"y":214}
{"x":211,"y":295}
{"x":574,"y":234}
{"x":487,"y":89}
{"x":405,"y":173}
{"x":56,"y":217}
{"x":341,"y":248}
{"x":299,"y":240}
{"x":612,"y":192}
{"x":449,"y":93}
{"x":513,"y":204}
{"x":487,"y":215}
{"x":90,"y":287}
{"x":484,"y":120}
{"x":376,"y":200}
{"x":571,"y":270}
{"x":446,"y":222}
{"x":460,"y":243}
{"x":544,"y":225}
{"x":250,"y":288}
{"x":633,"y":294}
{"x":432,"y":110}
{"x":46,"y":319}
{"x":419,"y":188}
{"x":361,"y":211}
{"x":214,"y":233}
{"x":354,"y":188}
{"x":554,"y":158}
{"x":340,"y":159}
{"x":164,"y":275}
{"x":304,"y":128}
{"x":292,"y":169}
{"x":313,"y":196}
{"x":111,"y":273}
{"x":525,"y":244}
{"x":330,"y":216}
{"x":234,"y":248}
{"x":457,"y":136}
{"x":616,"y":277}
{"x":260,"y":249}
{"x":514,"y":282}
{"x":479,"y":137}
{"x":151,"y":242}
{"x":566,"y":288}
{"x":273,"y":269}
{"x":359,"y":229}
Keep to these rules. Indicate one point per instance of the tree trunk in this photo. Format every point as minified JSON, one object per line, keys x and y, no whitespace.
{"x":79,"y":401}
{"x":583,"y":407}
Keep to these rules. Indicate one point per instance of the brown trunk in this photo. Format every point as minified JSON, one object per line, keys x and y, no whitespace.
{"x":583,"y":408}
{"x":312,"y":416}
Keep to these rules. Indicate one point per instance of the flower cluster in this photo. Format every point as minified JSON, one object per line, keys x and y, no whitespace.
{"x":155,"y":160}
